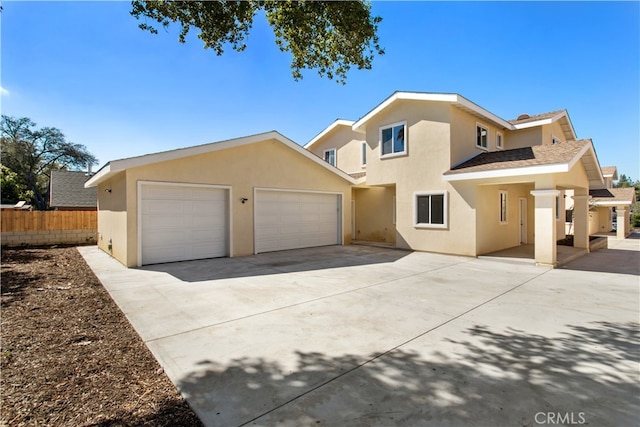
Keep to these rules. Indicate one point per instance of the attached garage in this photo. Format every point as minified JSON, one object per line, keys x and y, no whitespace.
{"x":296,"y":219}
{"x":231,"y":198}
{"x":181,"y":222}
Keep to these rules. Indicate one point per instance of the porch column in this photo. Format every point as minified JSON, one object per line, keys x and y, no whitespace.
{"x":622,"y":222}
{"x":581,"y":221}
{"x":545,"y":227}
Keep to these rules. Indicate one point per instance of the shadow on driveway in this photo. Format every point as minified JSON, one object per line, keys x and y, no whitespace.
{"x":492,"y":378}
{"x":278,"y":262}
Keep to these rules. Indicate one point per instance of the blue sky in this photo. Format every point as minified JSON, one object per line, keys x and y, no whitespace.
{"x":86,"y":68}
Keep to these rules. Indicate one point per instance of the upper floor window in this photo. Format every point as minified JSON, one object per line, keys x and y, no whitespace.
{"x":393,"y":139}
{"x":499,"y":143}
{"x":555,"y":140}
{"x":330,"y":156}
{"x":482,"y":136}
{"x":364,"y":154}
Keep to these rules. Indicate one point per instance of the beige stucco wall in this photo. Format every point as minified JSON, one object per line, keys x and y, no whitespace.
{"x":420,"y":170}
{"x":112,"y":217}
{"x":374,"y":209}
{"x":493,"y":235}
{"x":268,"y":164}
{"x":348,"y":145}
{"x":524,"y":138}
{"x":463,"y":136}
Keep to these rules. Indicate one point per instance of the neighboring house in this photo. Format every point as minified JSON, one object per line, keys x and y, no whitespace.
{"x":422,"y":171}
{"x":67,"y":191}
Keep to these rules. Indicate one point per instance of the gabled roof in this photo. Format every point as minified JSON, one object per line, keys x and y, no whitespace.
{"x":613,"y":196}
{"x":67,"y":190}
{"x":538,"y":159}
{"x":473,"y":109}
{"x":610,"y":172}
{"x":115,"y":166}
{"x":328,"y":129}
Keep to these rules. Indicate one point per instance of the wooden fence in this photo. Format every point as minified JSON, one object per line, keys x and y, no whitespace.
{"x":48,"y":220}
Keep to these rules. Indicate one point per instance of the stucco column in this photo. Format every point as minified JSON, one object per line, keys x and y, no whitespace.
{"x":581,"y":221}
{"x":622,"y":222}
{"x":545,"y":227}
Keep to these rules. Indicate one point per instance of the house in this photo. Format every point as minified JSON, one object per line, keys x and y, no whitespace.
{"x":422,"y":171}
{"x":609,"y":205}
{"x":67,"y":191}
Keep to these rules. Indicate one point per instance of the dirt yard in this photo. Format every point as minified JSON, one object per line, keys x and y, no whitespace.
{"x":69,"y":357}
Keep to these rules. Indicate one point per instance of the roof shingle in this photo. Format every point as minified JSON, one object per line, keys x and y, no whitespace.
{"x":522,"y":157}
{"x":67,"y":190}
{"x":611,"y":195}
{"x":535,"y":118}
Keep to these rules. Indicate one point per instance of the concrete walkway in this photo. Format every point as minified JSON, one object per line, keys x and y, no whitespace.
{"x":361,"y":336}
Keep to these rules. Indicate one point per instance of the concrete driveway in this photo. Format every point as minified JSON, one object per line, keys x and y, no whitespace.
{"x":361,"y":336}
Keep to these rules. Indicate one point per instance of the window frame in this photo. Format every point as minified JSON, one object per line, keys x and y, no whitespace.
{"x":363,"y":155}
{"x":486,"y":128}
{"x":503,"y":207}
{"x":555,"y":140}
{"x":500,"y":137}
{"x":445,"y":209}
{"x":406,"y":140}
{"x":335,"y":156}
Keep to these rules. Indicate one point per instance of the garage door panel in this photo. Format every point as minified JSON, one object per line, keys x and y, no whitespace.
{"x":181,"y":223}
{"x":291,"y":220}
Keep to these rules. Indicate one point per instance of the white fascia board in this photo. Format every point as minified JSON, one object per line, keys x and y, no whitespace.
{"x":332,"y":126}
{"x":611,"y":203}
{"x":588,"y":147}
{"x":147,"y":159}
{"x":504,"y":173}
{"x":437,"y":97}
{"x":546,"y":121}
{"x":416,"y":96}
{"x":481,"y":111}
{"x":98,"y":176}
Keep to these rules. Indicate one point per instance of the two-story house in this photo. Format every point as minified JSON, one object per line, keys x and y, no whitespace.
{"x":422,"y":171}
{"x":436,"y":172}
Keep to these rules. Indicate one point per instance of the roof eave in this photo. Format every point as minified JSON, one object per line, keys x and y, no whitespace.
{"x":327,"y":130}
{"x":116,"y":166}
{"x":507,"y":172}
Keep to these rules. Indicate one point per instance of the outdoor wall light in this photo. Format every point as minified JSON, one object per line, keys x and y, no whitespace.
{"x":243,"y":200}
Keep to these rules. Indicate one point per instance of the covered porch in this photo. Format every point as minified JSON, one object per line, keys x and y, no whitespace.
{"x":520,"y":200}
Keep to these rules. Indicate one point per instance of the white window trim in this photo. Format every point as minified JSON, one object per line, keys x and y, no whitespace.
{"x":335,"y":156}
{"x":485,"y":127}
{"x":363,"y":150}
{"x":445,"y":215}
{"x":555,"y":138}
{"x":406,"y":139}
{"x":501,"y":135}
{"x":506,"y":211}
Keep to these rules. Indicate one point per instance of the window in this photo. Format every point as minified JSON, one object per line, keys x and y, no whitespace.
{"x":330,"y":156}
{"x":503,"y":207}
{"x":393,"y":139}
{"x":499,"y":140}
{"x":482,"y":136}
{"x":555,"y":140}
{"x":431,"y":210}
{"x":364,"y":154}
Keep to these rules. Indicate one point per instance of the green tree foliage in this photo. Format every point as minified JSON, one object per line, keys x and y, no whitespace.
{"x":328,"y":36}
{"x":10,"y":188}
{"x":31,"y":153}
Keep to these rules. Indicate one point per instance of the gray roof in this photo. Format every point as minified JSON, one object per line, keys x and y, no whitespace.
{"x":67,"y":190}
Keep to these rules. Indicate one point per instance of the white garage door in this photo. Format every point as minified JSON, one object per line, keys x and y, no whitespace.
{"x":180,"y":223}
{"x":291,"y":220}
